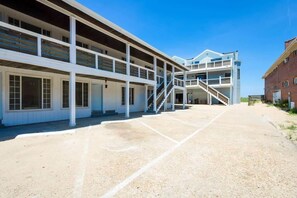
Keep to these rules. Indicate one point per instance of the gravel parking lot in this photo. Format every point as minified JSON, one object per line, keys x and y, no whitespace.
{"x":204,"y":151}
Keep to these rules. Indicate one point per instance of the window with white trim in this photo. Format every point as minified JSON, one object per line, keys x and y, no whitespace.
{"x":81,"y":94}
{"x":131,"y":96}
{"x":26,"y":93}
{"x":295,"y":81}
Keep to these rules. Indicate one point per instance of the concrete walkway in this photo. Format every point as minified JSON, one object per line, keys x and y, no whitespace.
{"x":205,"y":151}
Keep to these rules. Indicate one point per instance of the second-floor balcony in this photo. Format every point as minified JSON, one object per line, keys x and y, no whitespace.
{"x":221,"y":81}
{"x":211,"y":65}
{"x":24,"y":41}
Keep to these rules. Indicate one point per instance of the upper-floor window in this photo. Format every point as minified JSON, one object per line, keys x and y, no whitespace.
{"x":295,"y":81}
{"x":13,"y":21}
{"x":238,"y":74}
{"x":131,"y":61}
{"x":30,"y":27}
{"x":46,"y":33}
{"x":81,"y":44}
{"x":285,"y":83}
{"x":65,"y":39}
{"x":216,"y":59}
{"x":227,"y":74}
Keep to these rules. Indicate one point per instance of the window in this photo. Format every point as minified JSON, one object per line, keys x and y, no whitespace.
{"x":285,"y":83}
{"x":80,"y":44}
{"x":29,"y":93}
{"x":286,"y":60}
{"x":96,"y":49}
{"x":238,"y":74}
{"x":65,"y":39}
{"x":227,"y":74}
{"x":216,"y":59}
{"x":46,"y":33}
{"x":131,"y":96}
{"x":13,"y":21}
{"x":81,"y":94}
{"x":295,"y":81}
{"x":30,"y":27}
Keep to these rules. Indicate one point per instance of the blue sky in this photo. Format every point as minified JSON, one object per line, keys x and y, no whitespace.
{"x":257,"y":29}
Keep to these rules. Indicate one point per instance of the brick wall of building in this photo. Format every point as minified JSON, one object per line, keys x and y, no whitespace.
{"x":284,"y":72}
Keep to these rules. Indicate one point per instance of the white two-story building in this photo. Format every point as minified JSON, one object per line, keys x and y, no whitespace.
{"x":59,"y":60}
{"x":214,"y":78}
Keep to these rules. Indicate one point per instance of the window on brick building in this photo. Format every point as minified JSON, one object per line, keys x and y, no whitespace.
{"x":295,"y":81}
{"x":285,"y":83}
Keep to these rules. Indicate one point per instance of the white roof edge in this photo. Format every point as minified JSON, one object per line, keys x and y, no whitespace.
{"x":116,"y":27}
{"x":208,"y":50}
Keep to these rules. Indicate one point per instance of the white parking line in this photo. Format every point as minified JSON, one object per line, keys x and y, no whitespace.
{"x":158,"y":132}
{"x":183,"y":122}
{"x":142,"y":170}
{"x":79,"y":181}
{"x":70,"y":131}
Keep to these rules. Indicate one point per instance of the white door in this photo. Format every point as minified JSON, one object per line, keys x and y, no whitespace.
{"x":276,"y":96}
{"x":97,"y":97}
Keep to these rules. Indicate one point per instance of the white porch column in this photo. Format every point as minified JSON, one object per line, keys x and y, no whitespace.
{"x":165,"y":84}
{"x":127,"y":99}
{"x":72,"y":52}
{"x":145,"y":98}
{"x":128,"y":59}
{"x":72,"y":102}
{"x":184,"y":91}
{"x":173,"y":91}
{"x":155,"y":86}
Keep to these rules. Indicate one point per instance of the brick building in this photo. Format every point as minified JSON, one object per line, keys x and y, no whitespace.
{"x":281,"y":77}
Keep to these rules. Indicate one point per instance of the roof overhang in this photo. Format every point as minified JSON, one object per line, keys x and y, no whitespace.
{"x":78,"y":10}
{"x":292,"y":47}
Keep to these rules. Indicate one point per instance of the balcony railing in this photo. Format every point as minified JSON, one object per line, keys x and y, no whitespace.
{"x":178,"y":82}
{"x":210,"y":65}
{"x":21,"y":40}
{"x":211,"y":81}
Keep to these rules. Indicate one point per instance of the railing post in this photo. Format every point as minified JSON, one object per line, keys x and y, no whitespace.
{"x":138,"y":72}
{"x":128,"y":59}
{"x":220,"y":80}
{"x":147,"y":74}
{"x":39,"y":46}
{"x":72,"y":40}
{"x":96,"y":61}
{"x":113,"y":65}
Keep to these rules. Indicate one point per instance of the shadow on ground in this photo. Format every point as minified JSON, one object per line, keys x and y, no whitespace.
{"x":8,"y":133}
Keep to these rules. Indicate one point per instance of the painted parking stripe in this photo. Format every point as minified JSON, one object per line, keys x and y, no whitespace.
{"x":142,"y":170}
{"x":158,"y":132}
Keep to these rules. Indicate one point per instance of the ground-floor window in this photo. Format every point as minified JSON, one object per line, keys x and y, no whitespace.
{"x":81,"y":94}
{"x":29,"y":93}
{"x":131,"y":96}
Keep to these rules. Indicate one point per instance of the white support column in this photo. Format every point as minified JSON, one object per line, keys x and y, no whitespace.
{"x":173,"y":91}
{"x":128,"y":59}
{"x":155,"y":86}
{"x":127,"y":99}
{"x":72,"y":101}
{"x":184,"y":91}
{"x":173,"y":99}
{"x":72,"y":40}
{"x":232,"y":85}
{"x":165,"y":85}
{"x":145,"y":98}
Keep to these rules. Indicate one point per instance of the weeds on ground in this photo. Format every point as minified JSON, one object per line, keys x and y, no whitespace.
{"x":290,"y":130}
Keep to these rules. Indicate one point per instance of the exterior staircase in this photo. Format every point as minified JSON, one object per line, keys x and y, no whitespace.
{"x":213,"y":92}
{"x":161,"y":97}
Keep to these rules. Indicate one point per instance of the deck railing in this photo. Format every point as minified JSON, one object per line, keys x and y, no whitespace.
{"x":210,"y":65}
{"x":210,"y":81}
{"x":21,"y":40}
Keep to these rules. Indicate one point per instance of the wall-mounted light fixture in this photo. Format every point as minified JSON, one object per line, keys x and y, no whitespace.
{"x":106,"y":84}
